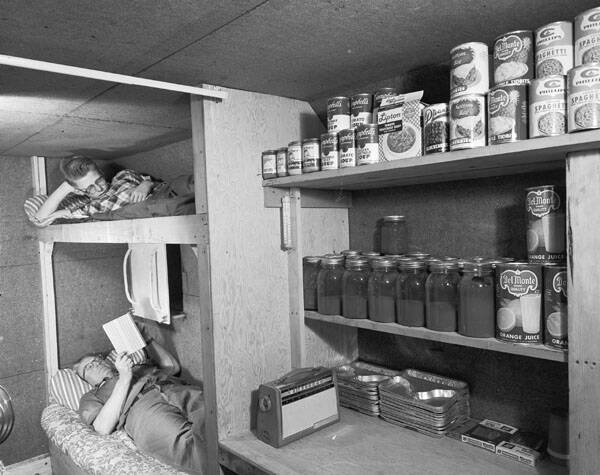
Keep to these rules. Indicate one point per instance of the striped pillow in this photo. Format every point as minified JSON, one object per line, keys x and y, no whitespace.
{"x":66,"y":388}
{"x":71,"y":202}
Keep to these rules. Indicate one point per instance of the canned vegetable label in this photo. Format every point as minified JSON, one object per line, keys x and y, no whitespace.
{"x":547,"y":107}
{"x":294,"y":158}
{"x":519,"y":302}
{"x":467,"y":122}
{"x":546,"y":233}
{"x":555,"y":306}
{"x":435,"y":128}
{"x":513,"y":56}
{"x":311,"y":157}
{"x":507,"y":113}
{"x":469,"y":69}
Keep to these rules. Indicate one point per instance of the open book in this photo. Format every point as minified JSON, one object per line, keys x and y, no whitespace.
{"x":124,"y":334}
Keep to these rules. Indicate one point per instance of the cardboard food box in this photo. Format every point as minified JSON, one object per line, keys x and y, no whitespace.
{"x":399,"y":126}
{"x":489,"y":434}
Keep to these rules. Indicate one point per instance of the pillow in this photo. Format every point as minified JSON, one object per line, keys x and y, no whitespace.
{"x":138,"y":357}
{"x":66,"y":388}
{"x":71,"y":202}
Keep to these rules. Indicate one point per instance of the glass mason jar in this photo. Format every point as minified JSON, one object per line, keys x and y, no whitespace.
{"x":382,"y":291}
{"x":329,"y":285}
{"x":350,"y":253}
{"x":394,"y":236}
{"x":355,"y":285}
{"x":441,"y":295}
{"x":410,"y":293}
{"x":476,"y":315}
{"x":310,"y":272}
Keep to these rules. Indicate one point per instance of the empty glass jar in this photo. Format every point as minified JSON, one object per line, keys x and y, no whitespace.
{"x":329,"y":285}
{"x":410,"y":293}
{"x":310,"y":272}
{"x":441,"y":295}
{"x":394,"y":236}
{"x":355,"y":284}
{"x":476,"y":316}
{"x":382,"y":291}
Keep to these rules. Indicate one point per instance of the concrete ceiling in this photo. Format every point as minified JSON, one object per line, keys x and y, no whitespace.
{"x":302,"y":49}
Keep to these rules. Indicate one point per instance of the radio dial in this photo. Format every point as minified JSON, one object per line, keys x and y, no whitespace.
{"x":264,"y":403}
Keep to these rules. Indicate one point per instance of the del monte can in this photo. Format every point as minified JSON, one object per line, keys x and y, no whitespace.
{"x":519,"y":302}
{"x":555,"y":306}
{"x":546,"y":234}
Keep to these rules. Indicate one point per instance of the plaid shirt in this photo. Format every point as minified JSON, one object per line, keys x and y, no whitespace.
{"x":118,"y":194}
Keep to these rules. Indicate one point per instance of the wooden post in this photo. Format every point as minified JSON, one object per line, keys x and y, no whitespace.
{"x":38,"y":171}
{"x":583,"y":216}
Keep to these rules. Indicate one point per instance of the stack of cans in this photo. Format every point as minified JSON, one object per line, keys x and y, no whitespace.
{"x":425,"y":402}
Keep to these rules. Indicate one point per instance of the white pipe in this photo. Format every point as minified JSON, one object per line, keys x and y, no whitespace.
{"x":104,"y":76}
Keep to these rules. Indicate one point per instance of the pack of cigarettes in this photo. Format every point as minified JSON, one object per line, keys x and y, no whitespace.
{"x":489,"y":434}
{"x":518,"y":452}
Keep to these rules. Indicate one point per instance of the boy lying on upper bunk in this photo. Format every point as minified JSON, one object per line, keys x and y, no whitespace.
{"x":86,"y":193}
{"x":163,"y":415}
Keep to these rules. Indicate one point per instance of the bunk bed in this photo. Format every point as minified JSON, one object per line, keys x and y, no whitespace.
{"x":74,"y":447}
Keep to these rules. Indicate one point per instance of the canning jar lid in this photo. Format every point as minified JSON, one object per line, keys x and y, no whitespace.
{"x":313,"y":139}
{"x":482,"y":266}
{"x":382,"y":263}
{"x":332,"y":260}
{"x":447,"y":264}
{"x":394,"y":218}
{"x":311,"y":259}
{"x":370,"y":253}
{"x":350,"y":252}
{"x":269,"y":152}
{"x":411,"y":264}
{"x":357,"y":263}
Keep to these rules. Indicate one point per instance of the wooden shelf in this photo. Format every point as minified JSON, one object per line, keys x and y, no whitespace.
{"x":534,"y":351}
{"x":188,"y":229}
{"x":360,"y":444}
{"x":531,"y":155}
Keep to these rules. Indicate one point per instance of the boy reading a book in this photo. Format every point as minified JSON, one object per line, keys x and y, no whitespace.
{"x":163,"y":415}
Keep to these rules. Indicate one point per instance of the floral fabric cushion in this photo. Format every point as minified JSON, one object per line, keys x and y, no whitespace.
{"x":113,"y":454}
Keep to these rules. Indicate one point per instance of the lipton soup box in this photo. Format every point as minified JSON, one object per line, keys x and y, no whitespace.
{"x":399,"y":126}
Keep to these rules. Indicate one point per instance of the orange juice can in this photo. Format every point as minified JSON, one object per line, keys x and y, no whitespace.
{"x":546,"y":229}
{"x":556,"y":313}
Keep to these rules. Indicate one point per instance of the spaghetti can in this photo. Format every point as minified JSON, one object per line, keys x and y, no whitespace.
{"x":587,"y":37}
{"x":269,"y":164}
{"x":513,"y":56}
{"x":469,"y":69}
{"x":556,"y":311}
{"x":367,"y":144}
{"x":547,"y":107}
{"x":361,"y":108}
{"x":546,"y":228}
{"x":435,"y":128}
{"x":338,"y":113}
{"x":467,"y":122}
{"x":330,"y":159}
{"x":311,"y":155}
{"x":583,"y":97}
{"x":347,"y":146}
{"x":281,"y":162}
{"x":294,"y":158}
{"x":507,"y":112}
{"x":519,"y":302}
{"x":553,"y":49}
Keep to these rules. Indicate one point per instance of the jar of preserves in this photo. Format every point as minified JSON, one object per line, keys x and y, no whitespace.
{"x":410,"y":293}
{"x":394,"y":236}
{"x":382,"y":291}
{"x":477,"y":312}
{"x":329,"y":285}
{"x":355,"y":285}
{"x":310,"y":272}
{"x":441,"y":295}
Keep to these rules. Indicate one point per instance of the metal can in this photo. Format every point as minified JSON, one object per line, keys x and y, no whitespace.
{"x":338,"y":113}
{"x":367,"y":144}
{"x":546,"y":228}
{"x":435,"y":128}
{"x":347,"y":145}
{"x":467,"y":122}
{"x":553,"y":49}
{"x":294,"y":158}
{"x":330,"y":159}
{"x":547,"y":107}
{"x":519,"y":302}
{"x":361,"y":108}
{"x":556,"y":311}
{"x":583,"y":101}
{"x":587,"y":37}
{"x":379,"y":96}
{"x":513,"y":56}
{"x":507,"y":112}
{"x":269,"y":164}
{"x":311,"y":155}
{"x":281,"y":162}
{"x":469,"y":69}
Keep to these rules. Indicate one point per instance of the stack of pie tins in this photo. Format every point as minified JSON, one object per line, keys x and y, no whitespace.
{"x":425,"y":402}
{"x":358,"y":386}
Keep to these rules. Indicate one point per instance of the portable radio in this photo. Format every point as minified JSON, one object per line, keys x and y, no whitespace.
{"x":297,"y":404}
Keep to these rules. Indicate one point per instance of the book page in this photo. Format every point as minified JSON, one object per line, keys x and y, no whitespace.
{"x":124,"y":334}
